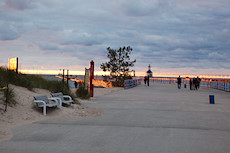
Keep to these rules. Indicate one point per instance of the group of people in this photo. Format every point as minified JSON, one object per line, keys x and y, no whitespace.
{"x":193,"y":82}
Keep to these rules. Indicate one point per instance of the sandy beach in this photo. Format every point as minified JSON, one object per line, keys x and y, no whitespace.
{"x":25,"y":111}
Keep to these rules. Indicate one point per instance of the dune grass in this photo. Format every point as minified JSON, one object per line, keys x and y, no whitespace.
{"x":32,"y":81}
{"x":82,"y":93}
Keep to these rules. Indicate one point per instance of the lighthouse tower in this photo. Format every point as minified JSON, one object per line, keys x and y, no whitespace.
{"x":149,"y":72}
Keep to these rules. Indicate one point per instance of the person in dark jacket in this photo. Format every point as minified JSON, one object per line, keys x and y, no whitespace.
{"x":195,"y":83}
{"x":145,"y":79}
{"x":198,"y":82}
{"x":148,"y":80}
{"x":179,"y":82}
{"x":76,"y":84}
{"x":190,"y":83}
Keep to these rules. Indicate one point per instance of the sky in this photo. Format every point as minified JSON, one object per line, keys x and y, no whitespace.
{"x":173,"y":36}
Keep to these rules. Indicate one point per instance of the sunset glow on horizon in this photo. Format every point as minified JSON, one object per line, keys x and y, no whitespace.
{"x":56,"y":72}
{"x":100,"y":73}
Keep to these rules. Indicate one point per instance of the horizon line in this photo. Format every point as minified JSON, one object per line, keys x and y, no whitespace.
{"x":96,"y":73}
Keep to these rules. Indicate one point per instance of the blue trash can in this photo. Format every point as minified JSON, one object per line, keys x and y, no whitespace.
{"x":211,"y":99}
{"x":184,"y":85}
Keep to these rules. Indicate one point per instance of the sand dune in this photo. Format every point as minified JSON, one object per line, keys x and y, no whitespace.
{"x":27,"y":112}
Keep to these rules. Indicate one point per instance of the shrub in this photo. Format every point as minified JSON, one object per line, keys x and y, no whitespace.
{"x":10,"y":96}
{"x":82,"y":93}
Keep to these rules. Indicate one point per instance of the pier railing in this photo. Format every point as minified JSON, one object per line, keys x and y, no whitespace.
{"x":131,"y":83}
{"x":221,"y":85}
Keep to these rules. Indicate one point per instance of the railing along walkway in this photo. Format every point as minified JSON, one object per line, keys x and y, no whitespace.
{"x":221,"y":85}
{"x":131,"y":83}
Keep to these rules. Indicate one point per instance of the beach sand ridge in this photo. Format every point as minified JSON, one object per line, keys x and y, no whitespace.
{"x":25,"y":111}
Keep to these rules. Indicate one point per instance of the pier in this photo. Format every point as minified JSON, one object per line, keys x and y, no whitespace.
{"x":155,"y":118}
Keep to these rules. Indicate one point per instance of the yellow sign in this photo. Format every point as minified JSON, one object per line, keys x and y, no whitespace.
{"x":13,"y":63}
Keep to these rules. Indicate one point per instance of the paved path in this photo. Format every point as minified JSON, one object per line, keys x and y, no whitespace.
{"x":155,"y":119}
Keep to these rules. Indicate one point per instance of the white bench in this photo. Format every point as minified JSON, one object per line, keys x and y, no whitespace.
{"x":62,"y":98}
{"x":43,"y":101}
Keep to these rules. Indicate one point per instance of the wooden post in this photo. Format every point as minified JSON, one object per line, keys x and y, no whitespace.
{"x":17,"y":65}
{"x":63,"y":75}
{"x":67,"y":77}
{"x":91,"y":77}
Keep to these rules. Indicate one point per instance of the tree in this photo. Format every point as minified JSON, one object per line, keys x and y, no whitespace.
{"x":119,"y":64}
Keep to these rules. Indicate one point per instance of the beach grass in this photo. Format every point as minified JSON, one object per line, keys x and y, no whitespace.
{"x":82,"y":93}
{"x":32,"y":81}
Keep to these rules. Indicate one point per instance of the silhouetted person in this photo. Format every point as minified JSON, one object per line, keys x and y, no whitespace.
{"x":195,"y":83}
{"x":75,"y":83}
{"x":198,"y":82}
{"x":190,"y":83}
{"x":179,"y":82}
{"x":148,"y":80}
{"x":145,"y":79}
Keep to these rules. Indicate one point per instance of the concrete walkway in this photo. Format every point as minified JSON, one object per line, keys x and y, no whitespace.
{"x":155,"y":119}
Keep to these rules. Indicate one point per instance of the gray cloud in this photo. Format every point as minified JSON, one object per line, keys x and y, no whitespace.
{"x":20,"y":4}
{"x":82,"y":38}
{"x":47,"y":46}
{"x":164,"y":33}
{"x":8,"y":32}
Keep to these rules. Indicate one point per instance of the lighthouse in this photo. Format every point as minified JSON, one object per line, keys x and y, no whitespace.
{"x":149,"y":72}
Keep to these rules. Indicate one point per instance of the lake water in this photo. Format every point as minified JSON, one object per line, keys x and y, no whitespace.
{"x":71,"y":83}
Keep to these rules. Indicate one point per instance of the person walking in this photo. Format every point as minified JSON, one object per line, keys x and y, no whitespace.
{"x":195,"y":83}
{"x":198,"y":82}
{"x":145,"y":79}
{"x":148,"y":80}
{"x":179,"y":82}
{"x":75,"y":83}
{"x":190,"y":83}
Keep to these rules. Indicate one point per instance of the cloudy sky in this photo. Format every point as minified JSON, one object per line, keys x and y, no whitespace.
{"x":174,"y":36}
